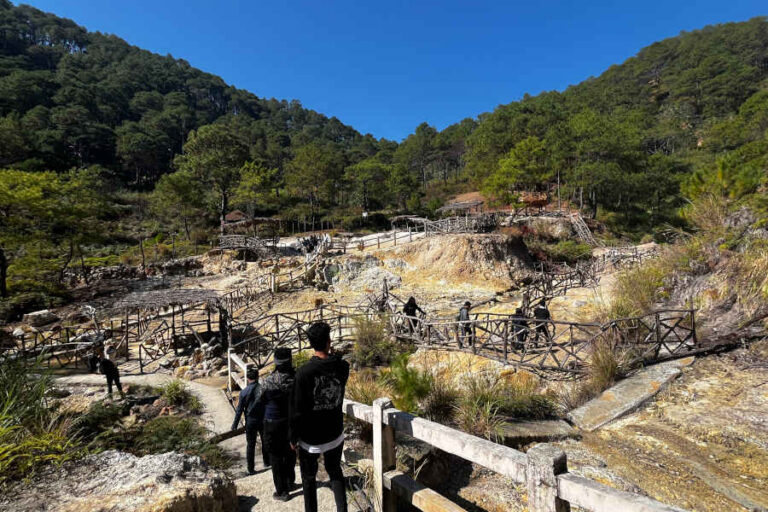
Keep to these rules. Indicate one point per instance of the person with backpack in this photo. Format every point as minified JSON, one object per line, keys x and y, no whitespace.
{"x":275,"y":395}
{"x":249,"y":403}
{"x":317,"y":420}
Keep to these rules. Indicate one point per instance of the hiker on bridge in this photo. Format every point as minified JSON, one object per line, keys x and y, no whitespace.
{"x":250,"y":404}
{"x":275,"y":396}
{"x":520,"y":326}
{"x":542,"y":315}
{"x":317,"y":420}
{"x":409,"y":309}
{"x":465,"y":326}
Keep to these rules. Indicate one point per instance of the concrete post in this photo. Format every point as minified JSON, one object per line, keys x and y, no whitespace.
{"x":544,"y":463}
{"x":383,"y":456}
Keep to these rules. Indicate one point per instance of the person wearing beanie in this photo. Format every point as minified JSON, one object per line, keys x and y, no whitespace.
{"x":276,"y":393}
{"x":250,"y":403}
{"x":317,"y":420}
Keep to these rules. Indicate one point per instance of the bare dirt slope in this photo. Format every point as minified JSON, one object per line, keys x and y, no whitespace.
{"x":702,"y":444}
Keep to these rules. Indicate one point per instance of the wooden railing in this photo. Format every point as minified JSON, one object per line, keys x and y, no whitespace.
{"x":543,"y":469}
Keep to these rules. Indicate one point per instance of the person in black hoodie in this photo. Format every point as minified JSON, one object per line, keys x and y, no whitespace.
{"x":275,"y":395}
{"x":409,"y":309}
{"x":317,"y":420}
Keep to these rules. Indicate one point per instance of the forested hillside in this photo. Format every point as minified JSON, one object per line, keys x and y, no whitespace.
{"x":104,"y":144}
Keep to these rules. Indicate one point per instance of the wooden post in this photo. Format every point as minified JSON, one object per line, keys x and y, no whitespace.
{"x":229,"y":369}
{"x":378,"y":242}
{"x":544,"y":463}
{"x":383,"y":456}
{"x":394,"y":234}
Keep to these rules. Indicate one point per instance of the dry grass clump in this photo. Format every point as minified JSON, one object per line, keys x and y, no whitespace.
{"x":365,"y":386}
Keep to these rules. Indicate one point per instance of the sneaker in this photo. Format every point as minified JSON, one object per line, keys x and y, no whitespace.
{"x":281,"y":497}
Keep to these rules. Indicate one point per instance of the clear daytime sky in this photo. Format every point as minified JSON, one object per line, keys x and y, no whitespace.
{"x":385,"y":67}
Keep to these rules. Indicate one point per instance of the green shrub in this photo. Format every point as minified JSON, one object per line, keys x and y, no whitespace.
{"x":177,"y":394}
{"x":301,"y":358}
{"x":13,"y":308}
{"x":174,"y":433}
{"x":410,"y":385}
{"x":372,"y":346}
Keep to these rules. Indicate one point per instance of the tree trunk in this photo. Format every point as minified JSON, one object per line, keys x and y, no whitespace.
{"x":3,"y":273}
{"x":223,"y":211}
{"x":186,"y":228}
{"x":82,"y":264}
{"x":70,"y":255}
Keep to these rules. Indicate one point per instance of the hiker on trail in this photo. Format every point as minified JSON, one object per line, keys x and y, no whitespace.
{"x":520,"y":326}
{"x":110,"y":371}
{"x":250,"y":404}
{"x":275,"y":395}
{"x":410,"y":310}
{"x":465,"y":325}
{"x":541,"y":313}
{"x":317,"y":421}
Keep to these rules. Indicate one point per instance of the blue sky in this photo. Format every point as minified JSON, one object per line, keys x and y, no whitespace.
{"x":385,"y":67}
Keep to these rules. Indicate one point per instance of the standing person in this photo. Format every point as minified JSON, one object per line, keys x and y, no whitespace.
{"x":317,"y":421}
{"x":541,"y":313}
{"x":110,"y":371}
{"x":410,"y":310}
{"x":250,"y":404}
{"x":520,"y":325}
{"x":465,"y":324}
{"x":275,"y":395}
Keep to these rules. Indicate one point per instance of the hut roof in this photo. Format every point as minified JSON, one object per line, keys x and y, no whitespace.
{"x":235,"y":216}
{"x":157,"y":299}
{"x":463,"y":205}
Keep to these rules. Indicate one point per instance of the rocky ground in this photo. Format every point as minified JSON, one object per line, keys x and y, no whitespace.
{"x":702,"y":444}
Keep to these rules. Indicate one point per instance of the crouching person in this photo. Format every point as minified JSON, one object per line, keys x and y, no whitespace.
{"x":275,"y":394}
{"x":250,"y":404}
{"x":317,"y":422}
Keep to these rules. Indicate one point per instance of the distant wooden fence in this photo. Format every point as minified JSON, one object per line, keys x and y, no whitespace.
{"x":543,"y":469}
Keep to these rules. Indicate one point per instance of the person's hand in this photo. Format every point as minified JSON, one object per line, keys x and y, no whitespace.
{"x":294,"y":447}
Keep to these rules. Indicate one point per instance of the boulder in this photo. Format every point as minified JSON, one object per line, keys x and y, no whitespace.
{"x":115,"y":481}
{"x":40,"y":318}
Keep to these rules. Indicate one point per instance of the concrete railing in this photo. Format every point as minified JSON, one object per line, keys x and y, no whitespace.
{"x":543,"y":469}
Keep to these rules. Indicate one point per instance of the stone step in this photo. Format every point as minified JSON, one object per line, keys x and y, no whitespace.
{"x":524,"y":432}
{"x":626,"y":396}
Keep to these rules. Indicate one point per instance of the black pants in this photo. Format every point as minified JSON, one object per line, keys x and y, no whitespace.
{"x":252,"y":429}
{"x":332,"y":463}
{"x":114,"y":377}
{"x":281,"y":456}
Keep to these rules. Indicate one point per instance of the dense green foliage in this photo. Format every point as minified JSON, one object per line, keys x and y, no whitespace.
{"x":155,"y":150}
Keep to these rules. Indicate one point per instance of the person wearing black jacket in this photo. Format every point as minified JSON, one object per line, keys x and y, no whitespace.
{"x":317,"y":420}
{"x":541,"y":313}
{"x":109,"y":370}
{"x":250,"y":404}
{"x":409,"y":309}
{"x":275,"y":395}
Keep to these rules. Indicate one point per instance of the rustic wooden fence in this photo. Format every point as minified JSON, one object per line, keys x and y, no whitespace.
{"x":543,"y":469}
